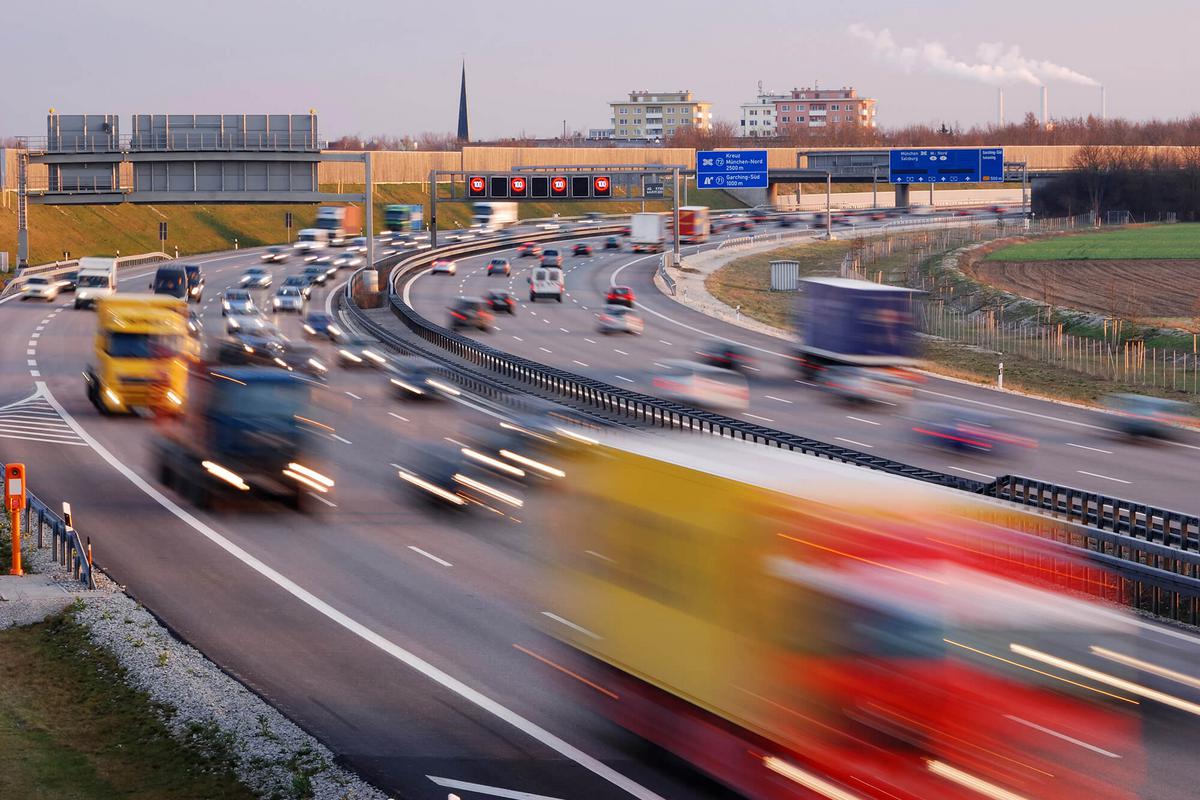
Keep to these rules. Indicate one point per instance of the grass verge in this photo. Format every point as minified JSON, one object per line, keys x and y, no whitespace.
{"x":1180,"y":240}
{"x":746,"y":281}
{"x":71,"y":728}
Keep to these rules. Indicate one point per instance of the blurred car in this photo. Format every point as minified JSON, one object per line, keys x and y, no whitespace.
{"x":304,"y":358}
{"x":531,"y":249}
{"x":619,"y":319}
{"x":418,"y":379}
{"x":443,"y":266}
{"x":726,"y":355}
{"x":788,"y":220}
{"x":69,"y":280}
{"x":195,"y":282}
{"x":299,"y":282}
{"x":854,"y":384}
{"x":499,"y":266}
{"x":619,"y":296}
{"x":355,"y":351}
{"x":195,"y":324}
{"x":237,"y":302}
{"x":1139,"y":416}
{"x":276,"y":254}
{"x":288,"y":298}
{"x":612,"y":243}
{"x":251,"y":324}
{"x":581,"y":249}
{"x":702,"y":385}
{"x":471,"y":312}
{"x":320,"y":324}
{"x":445,"y":476}
{"x":745,"y":225}
{"x":256,"y":278}
{"x":315,"y":275}
{"x":964,"y":429}
{"x":501,"y":302}
{"x":625,"y":230}
{"x":41,"y":287}
{"x":357,"y":245}
{"x":551,"y":258}
{"x":546,"y":283}
{"x":348,"y":261}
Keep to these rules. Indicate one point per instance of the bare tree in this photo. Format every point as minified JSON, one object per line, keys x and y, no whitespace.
{"x":1092,"y":163}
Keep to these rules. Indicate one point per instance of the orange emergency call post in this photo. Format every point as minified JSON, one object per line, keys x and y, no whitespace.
{"x":14,"y":502}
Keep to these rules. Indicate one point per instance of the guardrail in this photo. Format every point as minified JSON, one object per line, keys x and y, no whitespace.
{"x":63,"y":267}
{"x":662,"y":273}
{"x":68,"y":549}
{"x":1154,"y":551}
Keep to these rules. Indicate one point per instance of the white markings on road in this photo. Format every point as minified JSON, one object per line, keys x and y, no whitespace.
{"x":518,"y":338}
{"x":572,"y":625}
{"x":430,"y":555}
{"x":623,"y":378}
{"x":341,"y":439}
{"x":664,"y":341}
{"x":777,"y":399}
{"x":622,"y":352}
{"x":752,"y":369}
{"x":1105,"y":477}
{"x":856,"y":444}
{"x":31,"y":352}
{"x":577,"y":361}
{"x":316,"y":496}
{"x":31,"y":362}
{"x":41,"y":327}
{"x":860,"y":419}
{"x":352,"y":394}
{"x":545,"y":349}
{"x":397,"y":416}
{"x":564,"y":330}
{"x":1093,"y":449}
{"x":35,"y":373}
{"x":1062,"y":736}
{"x":35,"y":336}
{"x":589,"y":341}
{"x":756,"y":416}
{"x":491,"y":791}
{"x":973,"y":472}
{"x":600,"y":556}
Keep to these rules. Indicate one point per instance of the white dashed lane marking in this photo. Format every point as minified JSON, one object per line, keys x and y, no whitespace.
{"x":856,"y":444}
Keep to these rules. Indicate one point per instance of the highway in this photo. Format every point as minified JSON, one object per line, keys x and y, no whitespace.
{"x":391,"y":631}
{"x":1076,"y":446}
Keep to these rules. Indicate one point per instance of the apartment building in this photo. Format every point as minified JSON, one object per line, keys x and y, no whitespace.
{"x":758,"y":116}
{"x":656,"y":115}
{"x":818,"y":108}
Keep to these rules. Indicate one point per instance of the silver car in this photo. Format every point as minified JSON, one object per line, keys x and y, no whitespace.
{"x":40,"y":287}
{"x":237,"y":302}
{"x":256,"y":278}
{"x":619,"y":319}
{"x":288,"y":298}
{"x":256,"y":326}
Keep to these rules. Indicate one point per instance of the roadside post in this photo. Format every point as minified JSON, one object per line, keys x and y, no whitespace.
{"x":14,"y":502}
{"x":1000,"y":376}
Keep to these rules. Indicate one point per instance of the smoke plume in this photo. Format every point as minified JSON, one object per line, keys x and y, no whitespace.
{"x":995,"y":63}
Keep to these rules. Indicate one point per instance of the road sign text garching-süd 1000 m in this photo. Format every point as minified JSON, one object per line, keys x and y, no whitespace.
{"x":524,"y":186}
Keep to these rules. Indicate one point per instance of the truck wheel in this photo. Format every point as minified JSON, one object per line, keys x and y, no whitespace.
{"x":199,"y":495}
{"x":166,"y":475}
{"x":298,"y":501}
{"x":560,"y":298}
{"x":532,"y":297}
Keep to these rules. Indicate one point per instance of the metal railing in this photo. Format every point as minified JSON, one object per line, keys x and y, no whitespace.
{"x":68,"y":549}
{"x":187,"y":141}
{"x":662,"y":273}
{"x":56,"y":268}
{"x":1155,"y":552}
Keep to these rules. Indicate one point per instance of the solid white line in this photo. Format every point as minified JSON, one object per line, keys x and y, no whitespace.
{"x":572,"y":625}
{"x":316,"y":496}
{"x":340,"y":439}
{"x":756,"y":416}
{"x":779,"y":399}
{"x":973,"y":472}
{"x":623,"y":378}
{"x":860,"y":419}
{"x":355,"y":627}
{"x":430,"y":556}
{"x":397,"y":416}
{"x":1093,"y":449}
{"x":491,"y":791}
{"x":1062,"y":736}
{"x":622,"y":352}
{"x":856,"y":444}
{"x":352,"y":394}
{"x":1105,"y":477}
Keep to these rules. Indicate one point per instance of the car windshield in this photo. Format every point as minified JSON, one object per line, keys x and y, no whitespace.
{"x":141,"y":345}
{"x":320,"y":319}
{"x":237,"y":296}
{"x":273,"y":399}
{"x":93,"y":280}
{"x":173,"y":282}
{"x":37,"y":279}
{"x":550,"y":253}
{"x":294,"y":280}
{"x":256,"y":271}
{"x":289,"y":291}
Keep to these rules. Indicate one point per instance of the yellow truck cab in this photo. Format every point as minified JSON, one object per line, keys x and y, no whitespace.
{"x":141,"y":352}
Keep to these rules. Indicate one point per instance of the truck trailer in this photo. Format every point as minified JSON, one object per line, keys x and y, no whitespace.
{"x":341,"y":222}
{"x":694,"y":225}
{"x":648,"y":232}
{"x":140,"y":354}
{"x":400,"y":218}
{"x":847,"y":322}
{"x":490,"y":217}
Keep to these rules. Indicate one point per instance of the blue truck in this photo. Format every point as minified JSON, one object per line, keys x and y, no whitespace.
{"x":404,"y":218}
{"x":845,"y":323}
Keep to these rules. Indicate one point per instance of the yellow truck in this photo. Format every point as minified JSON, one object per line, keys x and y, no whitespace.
{"x":140,"y":360}
{"x":799,"y":628}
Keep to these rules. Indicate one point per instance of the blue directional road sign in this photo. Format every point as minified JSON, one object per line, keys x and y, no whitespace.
{"x":959,"y":165}
{"x":731,"y":169}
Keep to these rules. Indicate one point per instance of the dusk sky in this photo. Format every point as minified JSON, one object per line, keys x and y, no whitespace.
{"x":373,"y":67}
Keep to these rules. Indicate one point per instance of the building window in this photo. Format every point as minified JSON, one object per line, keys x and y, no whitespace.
{"x":753,"y":113}
{"x":799,"y":119}
{"x":785,"y":107}
{"x":835,"y":107}
{"x":753,"y":122}
{"x":743,"y":123}
{"x":624,"y":111}
{"x":787,"y":119}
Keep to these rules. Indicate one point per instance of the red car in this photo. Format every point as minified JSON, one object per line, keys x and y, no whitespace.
{"x":746,"y":225}
{"x":619,"y":296}
{"x":529,"y":249}
{"x":582,"y":249}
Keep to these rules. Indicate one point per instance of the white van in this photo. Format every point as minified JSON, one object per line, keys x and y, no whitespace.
{"x":546,"y":282}
{"x":97,"y":278}
{"x":702,"y":385}
{"x":312,"y":239}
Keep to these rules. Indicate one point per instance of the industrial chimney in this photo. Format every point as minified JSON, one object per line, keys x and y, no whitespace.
{"x":1045,"y":110}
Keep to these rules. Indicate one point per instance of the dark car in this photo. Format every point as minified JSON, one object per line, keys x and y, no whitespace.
{"x":171,"y":280}
{"x":612,"y":243}
{"x":320,"y":324}
{"x":532,"y":249}
{"x":551,"y":258}
{"x":195,"y":282}
{"x":582,"y":249}
{"x":723,"y":354}
{"x":746,"y":225}
{"x":300,"y":282}
{"x":499,"y":266}
{"x":620,"y":296}
{"x":69,"y":281}
{"x":1138,"y":416}
{"x":315,"y":274}
{"x":418,"y":379}
{"x":501,"y":302}
{"x":471,"y":312}
{"x":966,"y":429}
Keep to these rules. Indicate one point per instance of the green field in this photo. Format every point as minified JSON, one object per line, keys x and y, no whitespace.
{"x":1141,"y":242}
{"x":129,"y":229}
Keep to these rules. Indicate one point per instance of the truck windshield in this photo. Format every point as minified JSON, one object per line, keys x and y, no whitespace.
{"x":266,"y":399}
{"x":141,"y":345}
{"x":93,"y":281}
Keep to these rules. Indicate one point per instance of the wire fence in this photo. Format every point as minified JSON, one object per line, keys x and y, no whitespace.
{"x":957,"y":312}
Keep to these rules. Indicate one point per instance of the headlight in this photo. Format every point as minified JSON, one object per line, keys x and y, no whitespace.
{"x":277,"y":302}
{"x":248,"y":348}
{"x":224,"y":305}
{"x":335,"y":330}
{"x":310,"y":329}
{"x":174,"y":398}
{"x":371,"y":354}
{"x":112,"y":396}
{"x":234,"y":324}
{"x":351,"y":356}
{"x":317,"y":365}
